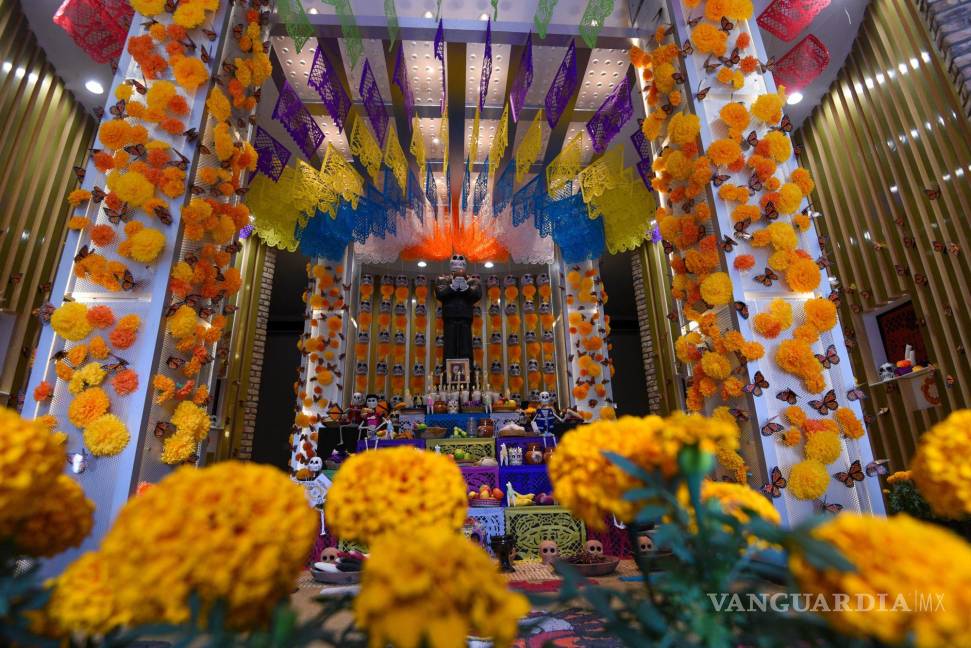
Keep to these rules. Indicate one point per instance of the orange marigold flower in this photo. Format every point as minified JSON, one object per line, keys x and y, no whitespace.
{"x":102,"y":235}
{"x":43,"y":391}
{"x":125,"y":382}
{"x":744,"y":262}
{"x":101,"y":316}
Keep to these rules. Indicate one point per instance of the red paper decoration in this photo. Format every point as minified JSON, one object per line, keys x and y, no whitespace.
{"x":99,"y":27}
{"x":785,"y":19}
{"x":802,"y":64}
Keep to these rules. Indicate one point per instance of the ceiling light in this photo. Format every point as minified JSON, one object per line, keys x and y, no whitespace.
{"x":7,"y":66}
{"x":428,"y":14}
{"x":435,"y":140}
{"x":484,"y":16}
{"x":94,"y":87}
{"x":312,"y":10}
{"x":794,"y":98}
{"x":422,"y":264}
{"x":489,"y":264}
{"x":635,"y":41}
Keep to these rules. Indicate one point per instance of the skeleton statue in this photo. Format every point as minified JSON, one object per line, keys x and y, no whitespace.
{"x":374,"y":421}
{"x":354,"y":416}
{"x":458,"y":294}
{"x":546,"y":415}
{"x":315,"y":465}
{"x":549,"y":551}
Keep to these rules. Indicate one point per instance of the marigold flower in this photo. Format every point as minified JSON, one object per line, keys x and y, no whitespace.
{"x":144,"y":244}
{"x":820,"y":313}
{"x":453,"y":591}
{"x":190,"y":72}
{"x":768,"y":107}
{"x":70,"y":321}
{"x":90,"y":375}
{"x":683,"y":128}
{"x":789,"y":199}
{"x":148,"y":7}
{"x":102,"y":235}
{"x":802,"y":178}
{"x":808,"y":480}
{"x":78,"y":222}
{"x":921,"y":559}
{"x":715,"y":366}
{"x":131,"y":187}
{"x":716,"y":289}
{"x":802,"y":275}
{"x":87,"y":406}
{"x":419,"y":490}
{"x":708,"y":39}
{"x":744,"y":262}
{"x":106,"y":436}
{"x":125,"y":382}
{"x":724,"y":151}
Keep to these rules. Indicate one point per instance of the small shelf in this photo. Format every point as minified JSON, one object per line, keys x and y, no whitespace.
{"x":907,"y":376}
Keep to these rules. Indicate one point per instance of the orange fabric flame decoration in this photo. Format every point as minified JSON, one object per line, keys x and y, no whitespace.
{"x":448,"y":238}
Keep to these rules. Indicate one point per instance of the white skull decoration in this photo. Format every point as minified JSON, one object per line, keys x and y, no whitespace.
{"x":545,"y":398}
{"x":371,"y":402}
{"x":357,"y":399}
{"x":595,"y":548}
{"x":887,"y":371}
{"x":329,"y":555}
{"x":549,"y":551}
{"x":457,"y":264}
{"x":453,"y":406}
{"x":645,"y":544}
{"x":316,"y":464}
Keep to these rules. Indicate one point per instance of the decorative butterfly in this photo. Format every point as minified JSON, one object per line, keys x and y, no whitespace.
{"x":866,"y":294}
{"x":788,"y":396}
{"x":709,"y":66}
{"x":901,"y":270}
{"x":822,"y":261}
{"x":122,"y":214}
{"x":768,"y":65}
{"x":191,"y":135}
{"x":742,"y":309}
{"x":210,"y":34}
{"x":773,"y":488}
{"x":939,"y":246}
{"x":668,"y":247}
{"x":667,"y":108}
{"x":954,"y":248}
{"x":99,"y":112}
{"x":949,"y":381}
{"x":82,"y":253}
{"x":877,"y":467}
{"x":752,"y":139}
{"x":820,"y":506}
{"x":835,"y":298}
{"x":97,"y":194}
{"x":933,"y":194}
{"x":759,"y":383}
{"x":767,"y":278}
{"x":174,"y":363}
{"x":910,"y":242}
{"x":719,"y":180}
{"x":694,"y":21}
{"x":118,"y":110}
{"x":229,"y":310}
{"x":855,"y":394}
{"x":79,"y":172}
{"x":678,"y":77}
{"x":128,"y":282}
{"x":797,"y":150}
{"x":137,"y":151}
{"x":233,"y":248}
{"x":673,"y":317}
{"x":920,"y":279}
{"x":771,"y":213}
{"x":728,"y":244}
{"x":830,"y":358}
{"x":740,"y":415}
{"x":785,"y":125}
{"x":851,"y":476}
{"x":688,"y":49}
{"x":771,"y":428}
{"x":182,"y":163}
{"x":741,"y":228}
{"x":205,"y":56}
{"x":701,"y":94}
{"x":727,"y":25}
{"x":163,"y":428}
{"x":163,"y":214}
{"x":730,"y":61}
{"x":754,"y":183}
{"x":827,"y":404}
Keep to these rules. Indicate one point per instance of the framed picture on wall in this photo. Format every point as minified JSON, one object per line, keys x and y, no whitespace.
{"x":457,"y":372}
{"x":898,"y":328}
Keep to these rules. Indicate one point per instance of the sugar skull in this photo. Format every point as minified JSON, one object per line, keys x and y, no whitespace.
{"x":494,"y":310}
{"x":365,"y":307}
{"x":495,"y":337}
{"x":330,"y":555}
{"x":363,"y":337}
{"x":510,"y":280}
{"x":549,"y":552}
{"x":367,"y":280}
{"x":419,"y":339}
{"x":401,"y":281}
{"x":513,"y":339}
{"x":545,"y":398}
{"x":529,"y":307}
{"x":492,"y":281}
{"x":511,"y":309}
{"x":421,"y":310}
{"x":547,"y":336}
{"x":400,"y":309}
{"x":439,"y":340}
{"x":361,"y":369}
{"x":495,"y":367}
{"x":421,"y":280}
{"x":381,"y":368}
{"x":357,"y":398}
{"x":515,"y":369}
{"x":529,"y":336}
{"x":438,"y":312}
{"x":316,"y":464}
{"x":418,"y":369}
{"x":476,"y":310}
{"x":532,"y":365}
{"x":645,"y":544}
{"x":385,"y":306}
{"x":542,"y":279}
{"x":476,"y":341}
{"x":595,"y":548}
{"x":549,"y":367}
{"x":384,"y":336}
{"x":545,"y":308}
{"x":399,"y":337}
{"x":396,"y":399}
{"x":397,"y":370}
{"x":533,"y":395}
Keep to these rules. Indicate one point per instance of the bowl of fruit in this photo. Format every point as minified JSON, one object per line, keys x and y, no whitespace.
{"x":486,"y":496}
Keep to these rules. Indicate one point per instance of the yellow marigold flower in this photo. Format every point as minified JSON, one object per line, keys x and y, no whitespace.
{"x":190,"y":534}
{"x":724,"y":151}
{"x":938,"y":472}
{"x":790,"y":197}
{"x":98,"y":348}
{"x":131,"y":187}
{"x":716,"y":366}
{"x":143,"y":244}
{"x":752,"y":350}
{"x":735,"y":115}
{"x":218,"y":105}
{"x":90,"y":375}
{"x":900,"y":475}
{"x":160,"y":93}
{"x":820,"y":313}
{"x":31,"y":458}
{"x":806,"y":332}
{"x":733,"y":463}
{"x":683,"y":128}
{"x":791,"y":437}
{"x":78,"y":353}
{"x":808,"y":480}
{"x":178,"y":448}
{"x":87,"y":406}
{"x":417,"y":489}
{"x":802,"y":178}
{"x":61,"y":517}
{"x":776,"y":145}
{"x":716,"y":289}
{"x":189,"y":15}
{"x":708,"y":39}
{"x":450,"y":590}
{"x":182,"y":323}
{"x":802,"y":275}
{"x":768,"y":107}
{"x":735,"y":497}
{"x":795,"y":415}
{"x":70,"y":321}
{"x":894,"y":557}
{"x":592,"y":486}
{"x":189,"y":72}
{"x":82,"y":599}
{"x":148,"y":7}
{"x":106,"y":436}
{"x":824,"y":446}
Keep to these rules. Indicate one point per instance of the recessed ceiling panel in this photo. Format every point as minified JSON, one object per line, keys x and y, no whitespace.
{"x":605,"y":70}
{"x":497,"y":80}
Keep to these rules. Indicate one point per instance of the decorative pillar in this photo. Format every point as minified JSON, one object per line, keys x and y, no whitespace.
{"x":759,"y":333}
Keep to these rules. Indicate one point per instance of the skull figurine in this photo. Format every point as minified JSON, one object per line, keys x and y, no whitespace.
{"x":316,"y":464}
{"x":545,"y":398}
{"x":645,"y":544}
{"x":385,"y":306}
{"x":361,"y":369}
{"x":397,"y":370}
{"x":401,"y":281}
{"x":492,"y":281}
{"x":887,"y":371}
{"x":330,"y":555}
{"x":532,"y":365}
{"x":457,"y":264}
{"x":381,"y":368}
{"x":399,"y":337}
{"x":549,"y":551}
{"x":357,"y":399}
{"x":396,"y":399}
{"x":495,"y":337}
{"x":419,"y":339}
{"x":420,"y":309}
{"x":595,"y":548}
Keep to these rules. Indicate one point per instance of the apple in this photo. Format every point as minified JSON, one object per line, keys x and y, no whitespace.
{"x":497,"y":493}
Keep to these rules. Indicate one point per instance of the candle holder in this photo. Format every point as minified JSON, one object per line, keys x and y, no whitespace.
{"x":503,"y":546}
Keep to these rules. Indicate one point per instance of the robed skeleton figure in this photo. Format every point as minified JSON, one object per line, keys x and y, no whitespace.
{"x":458,"y":295}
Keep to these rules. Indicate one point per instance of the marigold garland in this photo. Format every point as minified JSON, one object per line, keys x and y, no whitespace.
{"x":936,"y":473}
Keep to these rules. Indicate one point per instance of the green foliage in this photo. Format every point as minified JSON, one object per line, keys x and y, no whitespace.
{"x":699,"y":554}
